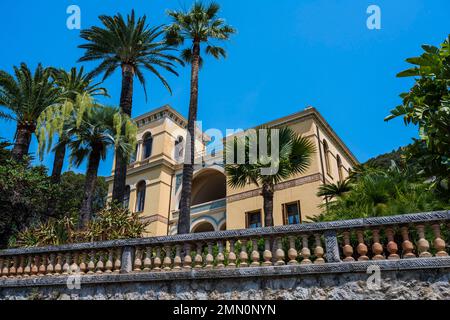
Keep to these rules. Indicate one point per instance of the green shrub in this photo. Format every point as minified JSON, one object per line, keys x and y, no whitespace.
{"x":109,"y":224}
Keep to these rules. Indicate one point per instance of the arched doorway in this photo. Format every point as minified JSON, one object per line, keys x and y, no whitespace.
{"x":203,"y":227}
{"x":207,"y":186}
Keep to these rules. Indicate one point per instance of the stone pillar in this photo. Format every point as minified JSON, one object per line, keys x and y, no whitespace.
{"x":331,"y":246}
{"x":127,"y":260}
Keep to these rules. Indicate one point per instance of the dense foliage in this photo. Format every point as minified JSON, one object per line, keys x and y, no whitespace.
{"x":373,"y":192}
{"x":109,"y":224}
{"x":427,"y":105}
{"x":413,"y":178}
{"x":26,"y":193}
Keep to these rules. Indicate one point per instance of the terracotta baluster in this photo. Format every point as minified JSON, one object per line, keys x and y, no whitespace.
{"x":118,"y":261}
{"x":109,"y":261}
{"x":198,"y":260}
{"x":292,"y":252}
{"x":438,"y":243}
{"x":51,"y":265}
{"x":177,"y":260}
{"x":318,"y":251}
{"x":91,"y":263}
{"x":220,"y":256}
{"x":279,"y":254}
{"x":267,"y":255}
{"x":306,"y":252}
{"x":137,"y":266}
{"x":100,"y":267}
{"x":209,"y":259}
{"x":35,"y":266}
{"x":187,"y":261}
{"x":83,"y":265}
{"x":392,"y":246}
{"x":5,"y":269}
{"x":167,"y":258}
{"x":43,"y":266}
{"x":243,"y":256}
{"x":232,"y":255}
{"x":66,"y":264}
{"x":377,"y":248}
{"x":13,"y":268}
{"x":422,"y":244}
{"x":27,"y":269}
{"x":2,"y":263}
{"x":407,"y":245}
{"x":347,"y":249}
{"x":255,"y":254}
{"x":74,"y":267}
{"x":58,"y":265}
{"x":157,"y":261}
{"x":19,"y":271}
{"x":148,"y":259}
{"x":361,"y":248}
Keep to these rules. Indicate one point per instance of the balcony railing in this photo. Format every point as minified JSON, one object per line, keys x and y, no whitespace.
{"x":205,"y":207}
{"x":404,"y":237}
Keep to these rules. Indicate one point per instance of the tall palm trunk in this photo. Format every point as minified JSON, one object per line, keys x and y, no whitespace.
{"x":267,"y":193}
{"x":126,"y":103}
{"x":184,"y":220}
{"x":89,"y":187}
{"x":58,"y":162}
{"x":24,"y":132}
{"x":60,"y":153}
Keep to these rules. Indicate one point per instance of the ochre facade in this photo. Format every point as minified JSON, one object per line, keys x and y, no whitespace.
{"x":154,"y":176}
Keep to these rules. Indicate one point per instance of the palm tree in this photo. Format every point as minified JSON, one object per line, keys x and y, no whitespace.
{"x":25,"y":97}
{"x":131,"y":45}
{"x":295,"y":153}
{"x":333,"y":190}
{"x":99,"y":130}
{"x":200,"y":25}
{"x":72,"y":84}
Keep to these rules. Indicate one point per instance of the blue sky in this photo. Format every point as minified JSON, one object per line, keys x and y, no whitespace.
{"x":288,"y":54}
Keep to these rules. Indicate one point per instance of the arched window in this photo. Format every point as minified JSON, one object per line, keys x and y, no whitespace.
{"x":326,"y":151}
{"x":339,"y":165}
{"x":179,"y":149}
{"x":134,"y":155}
{"x":126,"y":197}
{"x":148,"y":145}
{"x":140,"y":199}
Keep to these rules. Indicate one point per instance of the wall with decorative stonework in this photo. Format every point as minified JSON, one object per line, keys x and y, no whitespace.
{"x":405,"y":284}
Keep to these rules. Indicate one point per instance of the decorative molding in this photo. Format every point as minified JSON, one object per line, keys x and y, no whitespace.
{"x":281,"y":186}
{"x":156,"y":217}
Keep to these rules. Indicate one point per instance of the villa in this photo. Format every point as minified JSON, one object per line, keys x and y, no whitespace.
{"x":155,"y":173}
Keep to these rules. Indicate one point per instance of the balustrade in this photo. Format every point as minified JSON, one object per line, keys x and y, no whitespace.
{"x":392,"y":238}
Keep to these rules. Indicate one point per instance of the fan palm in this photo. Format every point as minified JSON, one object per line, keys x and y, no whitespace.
{"x":200,"y":25}
{"x":72,"y":84}
{"x":99,"y":130}
{"x":129,"y":44}
{"x":25,"y":97}
{"x":332,"y":190}
{"x":295,"y":153}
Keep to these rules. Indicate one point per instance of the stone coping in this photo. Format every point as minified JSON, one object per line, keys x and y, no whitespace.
{"x":364,"y":223}
{"x":224,"y":273}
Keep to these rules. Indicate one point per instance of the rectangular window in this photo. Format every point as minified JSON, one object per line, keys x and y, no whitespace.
{"x":291,"y":213}
{"x":254,"y":219}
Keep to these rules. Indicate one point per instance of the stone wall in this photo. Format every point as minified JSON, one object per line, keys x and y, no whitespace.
{"x":398,"y":281}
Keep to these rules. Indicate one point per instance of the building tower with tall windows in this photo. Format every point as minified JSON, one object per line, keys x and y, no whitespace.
{"x":155,"y":173}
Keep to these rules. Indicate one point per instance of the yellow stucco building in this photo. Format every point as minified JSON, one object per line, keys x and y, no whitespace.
{"x":154,"y":176}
